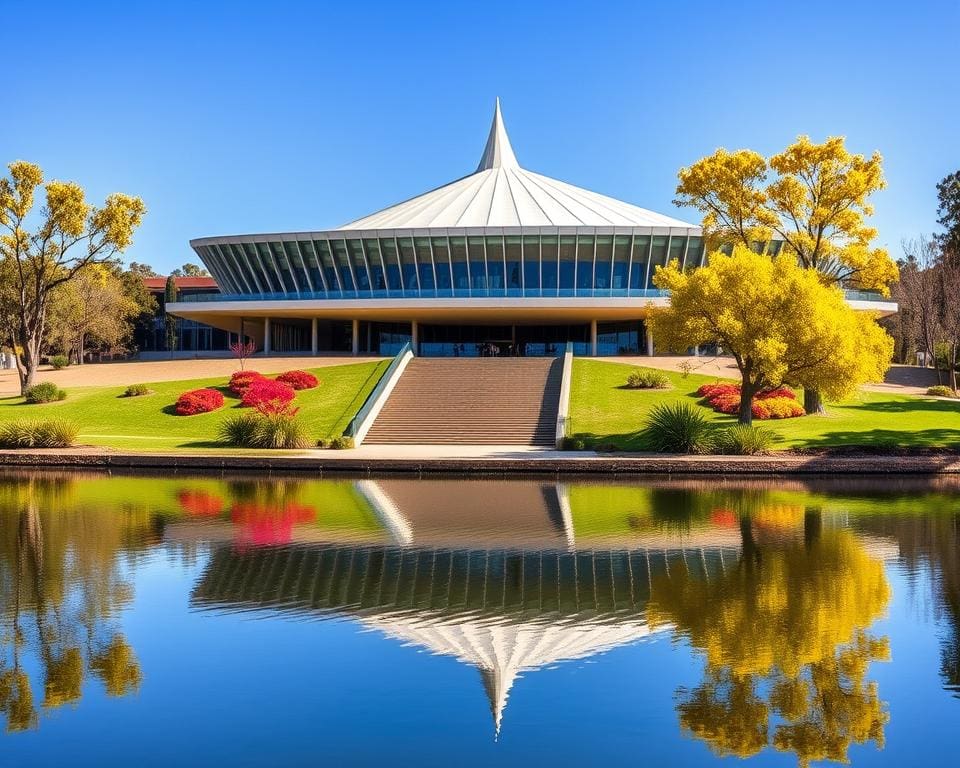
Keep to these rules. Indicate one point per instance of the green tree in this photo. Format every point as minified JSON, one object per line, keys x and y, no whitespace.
{"x":142,"y":270}
{"x":948,"y":210}
{"x":170,"y":321}
{"x":190,"y":270}
{"x":40,"y":251}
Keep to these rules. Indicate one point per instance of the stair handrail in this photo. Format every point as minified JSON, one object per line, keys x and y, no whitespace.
{"x":563,"y":408}
{"x":360,"y":424}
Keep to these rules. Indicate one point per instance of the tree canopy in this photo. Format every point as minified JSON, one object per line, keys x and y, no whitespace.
{"x":780,"y":322}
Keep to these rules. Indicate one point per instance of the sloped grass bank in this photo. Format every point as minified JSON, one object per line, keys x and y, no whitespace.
{"x":603,"y":412}
{"x":148,"y":422}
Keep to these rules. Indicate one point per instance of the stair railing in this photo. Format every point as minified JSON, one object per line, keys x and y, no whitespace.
{"x":563,"y":409}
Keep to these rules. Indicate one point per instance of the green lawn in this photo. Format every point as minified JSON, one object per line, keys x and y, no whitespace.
{"x":604,"y":411}
{"x":148,"y":423}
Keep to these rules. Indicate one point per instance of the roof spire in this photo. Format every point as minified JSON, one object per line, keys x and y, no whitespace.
{"x":498,"y":153}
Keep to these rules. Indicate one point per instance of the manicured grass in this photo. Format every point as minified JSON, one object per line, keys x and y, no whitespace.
{"x":148,"y":423}
{"x":604,"y":411}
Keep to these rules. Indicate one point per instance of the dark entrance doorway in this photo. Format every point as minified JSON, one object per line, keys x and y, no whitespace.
{"x":502,"y":340}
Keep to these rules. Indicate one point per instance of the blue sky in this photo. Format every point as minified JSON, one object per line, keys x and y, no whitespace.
{"x":232,"y":118}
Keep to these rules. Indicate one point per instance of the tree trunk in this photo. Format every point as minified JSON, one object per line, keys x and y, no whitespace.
{"x":745,"y":415}
{"x":953,"y":366}
{"x":812,"y":526}
{"x":812,"y":402}
{"x":80,"y":351}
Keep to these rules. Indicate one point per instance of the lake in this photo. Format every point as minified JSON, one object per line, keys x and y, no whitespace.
{"x":197,"y":620}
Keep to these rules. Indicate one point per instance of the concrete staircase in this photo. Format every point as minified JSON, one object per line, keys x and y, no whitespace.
{"x":472,"y":401}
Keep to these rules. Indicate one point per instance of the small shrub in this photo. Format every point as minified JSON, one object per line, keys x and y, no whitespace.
{"x":241,"y":381}
{"x":267,"y":393}
{"x":647,"y":378}
{"x":686,"y":368}
{"x":777,"y":408}
{"x":264,"y":430}
{"x":941,"y":391}
{"x":199,"y":401}
{"x":573,"y":444}
{"x":44,"y":392}
{"x":744,"y":440}
{"x":342,"y":442}
{"x":59,"y":362}
{"x":137,"y":390}
{"x":323,"y":442}
{"x":777,"y":403}
{"x":718,"y":388}
{"x":299,"y":379}
{"x":677,"y":428}
{"x":48,"y":433}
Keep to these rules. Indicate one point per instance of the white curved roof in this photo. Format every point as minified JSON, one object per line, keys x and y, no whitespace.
{"x":502,"y":194}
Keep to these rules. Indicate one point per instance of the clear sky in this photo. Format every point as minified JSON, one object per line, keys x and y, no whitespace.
{"x":237,"y":117}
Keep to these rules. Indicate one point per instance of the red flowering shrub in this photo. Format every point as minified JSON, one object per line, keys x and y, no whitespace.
{"x":264,"y":524}
{"x":778,"y":403}
{"x":241,"y":381}
{"x":199,"y":503}
{"x":267,"y":393}
{"x":299,"y":379}
{"x":199,"y":401}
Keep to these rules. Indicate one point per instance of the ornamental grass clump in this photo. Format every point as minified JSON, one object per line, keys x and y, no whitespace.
{"x":267,"y":426}
{"x":198,"y":401}
{"x":647,"y":378}
{"x":44,"y":392}
{"x":677,"y":428}
{"x":744,"y":440}
{"x":46,"y":433}
{"x":298,"y":379}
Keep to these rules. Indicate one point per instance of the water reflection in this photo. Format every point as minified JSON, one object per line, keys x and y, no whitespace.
{"x":774,"y":589}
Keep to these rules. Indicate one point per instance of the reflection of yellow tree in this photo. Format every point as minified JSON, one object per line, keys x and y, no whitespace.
{"x":60,"y":578}
{"x":783,"y":634}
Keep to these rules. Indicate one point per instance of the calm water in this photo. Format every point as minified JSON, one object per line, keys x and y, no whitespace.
{"x":196,"y":620}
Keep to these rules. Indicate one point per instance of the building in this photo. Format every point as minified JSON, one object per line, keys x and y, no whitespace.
{"x":501,"y":261}
{"x":193,"y":337}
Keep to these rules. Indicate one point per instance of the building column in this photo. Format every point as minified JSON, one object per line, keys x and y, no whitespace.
{"x":313,"y":336}
{"x":649,"y":342}
{"x":593,"y":338}
{"x":267,"y":333}
{"x":415,"y":336}
{"x":356,"y":338}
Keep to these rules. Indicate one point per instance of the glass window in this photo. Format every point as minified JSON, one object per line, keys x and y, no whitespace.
{"x":425,"y":263}
{"x":478,"y":266}
{"x":265,"y":260}
{"x":392,"y":260}
{"x":548,"y":264}
{"x":638,"y":266}
{"x":377,"y":279}
{"x":568,"y":261}
{"x":359,"y":265}
{"x":408,"y":264}
{"x":531,"y":265}
{"x":441,"y":260}
{"x":293,"y":257}
{"x":603,"y":264}
{"x":658,"y":255}
{"x":773,"y":248}
{"x":585,"y":247}
{"x":343,"y":264}
{"x":678,"y":244}
{"x":286,"y":275}
{"x":313,"y":265}
{"x":695,"y":252}
{"x":621,"y":262}
{"x":514,"y":262}
{"x":329,"y":268}
{"x":495,"y":276}
{"x":458,"y":257}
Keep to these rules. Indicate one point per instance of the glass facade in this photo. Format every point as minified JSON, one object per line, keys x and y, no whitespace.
{"x":535,"y":265}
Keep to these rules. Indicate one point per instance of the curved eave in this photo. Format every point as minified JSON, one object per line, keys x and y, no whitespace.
{"x":348,"y":234}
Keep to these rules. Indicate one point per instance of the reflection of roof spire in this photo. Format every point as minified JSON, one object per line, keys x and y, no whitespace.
{"x":498,"y":153}
{"x":497,"y":684}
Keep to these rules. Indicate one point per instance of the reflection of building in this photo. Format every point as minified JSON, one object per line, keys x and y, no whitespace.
{"x":500,"y":257}
{"x":192,"y":336}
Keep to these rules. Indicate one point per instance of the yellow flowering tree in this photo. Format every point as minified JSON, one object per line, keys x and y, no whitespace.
{"x":42,"y":250}
{"x":780,"y":322}
{"x":813,"y":197}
